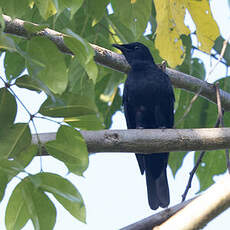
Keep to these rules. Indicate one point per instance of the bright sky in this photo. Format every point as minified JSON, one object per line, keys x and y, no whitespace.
{"x":113,"y":189}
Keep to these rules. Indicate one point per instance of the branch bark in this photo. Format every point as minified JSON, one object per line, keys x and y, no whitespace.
{"x":117,"y":62}
{"x":151,"y":140}
{"x":201,"y":210}
{"x":149,"y":222}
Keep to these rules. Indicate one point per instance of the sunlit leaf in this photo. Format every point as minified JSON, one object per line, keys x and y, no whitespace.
{"x":206,"y":28}
{"x":170,"y":26}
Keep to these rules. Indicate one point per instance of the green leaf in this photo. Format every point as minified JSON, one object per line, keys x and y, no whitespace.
{"x":6,"y":42}
{"x":46,"y":8}
{"x":28,"y":202}
{"x":108,"y":97}
{"x":186,"y":66}
{"x":197,"y":115}
{"x":70,"y":147}
{"x":109,"y":109}
{"x":218,"y":47}
{"x":26,"y":156}
{"x":8,"y":108}
{"x":72,"y":5}
{"x":14,"y":8}
{"x":33,"y":28}
{"x":133,"y":14}
{"x":14,"y":64}
{"x":27,"y":82}
{"x":16,"y":212}
{"x":97,"y":9}
{"x":68,"y":105}
{"x":125,"y":35}
{"x":10,"y":168}
{"x":65,"y":192}
{"x":79,"y":82}
{"x":14,"y":140}
{"x":213,"y":163}
{"x":225,"y":83}
{"x":3,"y":184}
{"x":176,"y":160}
{"x":87,"y":122}
{"x":47,"y":63}
{"x":83,"y":51}
{"x":197,"y":68}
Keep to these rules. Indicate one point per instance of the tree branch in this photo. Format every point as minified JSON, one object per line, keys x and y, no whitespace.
{"x":201,"y":210}
{"x":151,"y":140}
{"x":156,"y":219}
{"x":117,"y":62}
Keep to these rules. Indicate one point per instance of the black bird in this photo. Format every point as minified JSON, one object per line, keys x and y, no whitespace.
{"x":148,"y":101}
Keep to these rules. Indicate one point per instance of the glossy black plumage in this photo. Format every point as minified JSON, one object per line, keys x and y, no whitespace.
{"x":148,"y":101}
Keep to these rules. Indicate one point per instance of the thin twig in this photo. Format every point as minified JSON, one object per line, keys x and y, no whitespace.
{"x":212,"y":55}
{"x":191,"y":174}
{"x":48,"y":119}
{"x":199,"y":160}
{"x":220,"y":115}
{"x":31,"y":118}
{"x":225,"y":43}
{"x":219,"y":107}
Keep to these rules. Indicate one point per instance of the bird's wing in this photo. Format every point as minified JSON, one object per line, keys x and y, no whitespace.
{"x":130,"y":117}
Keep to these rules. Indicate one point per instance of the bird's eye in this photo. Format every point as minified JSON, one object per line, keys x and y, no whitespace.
{"x":136,"y":47}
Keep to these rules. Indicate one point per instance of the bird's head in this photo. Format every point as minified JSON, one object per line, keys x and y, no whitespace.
{"x":135,"y":52}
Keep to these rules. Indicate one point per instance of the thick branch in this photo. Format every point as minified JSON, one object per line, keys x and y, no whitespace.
{"x":117,"y":62}
{"x":201,"y":210}
{"x":149,"y":222}
{"x":152,"y":140}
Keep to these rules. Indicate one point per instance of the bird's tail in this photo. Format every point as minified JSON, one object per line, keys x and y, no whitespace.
{"x":158,"y":190}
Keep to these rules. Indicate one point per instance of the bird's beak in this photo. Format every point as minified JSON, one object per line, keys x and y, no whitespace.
{"x":120,"y":47}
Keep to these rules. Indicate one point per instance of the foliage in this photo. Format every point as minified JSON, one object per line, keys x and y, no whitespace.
{"x":87,"y":95}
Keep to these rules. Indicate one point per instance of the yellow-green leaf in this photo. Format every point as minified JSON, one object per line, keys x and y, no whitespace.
{"x":170,"y":25}
{"x":206,"y":28}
